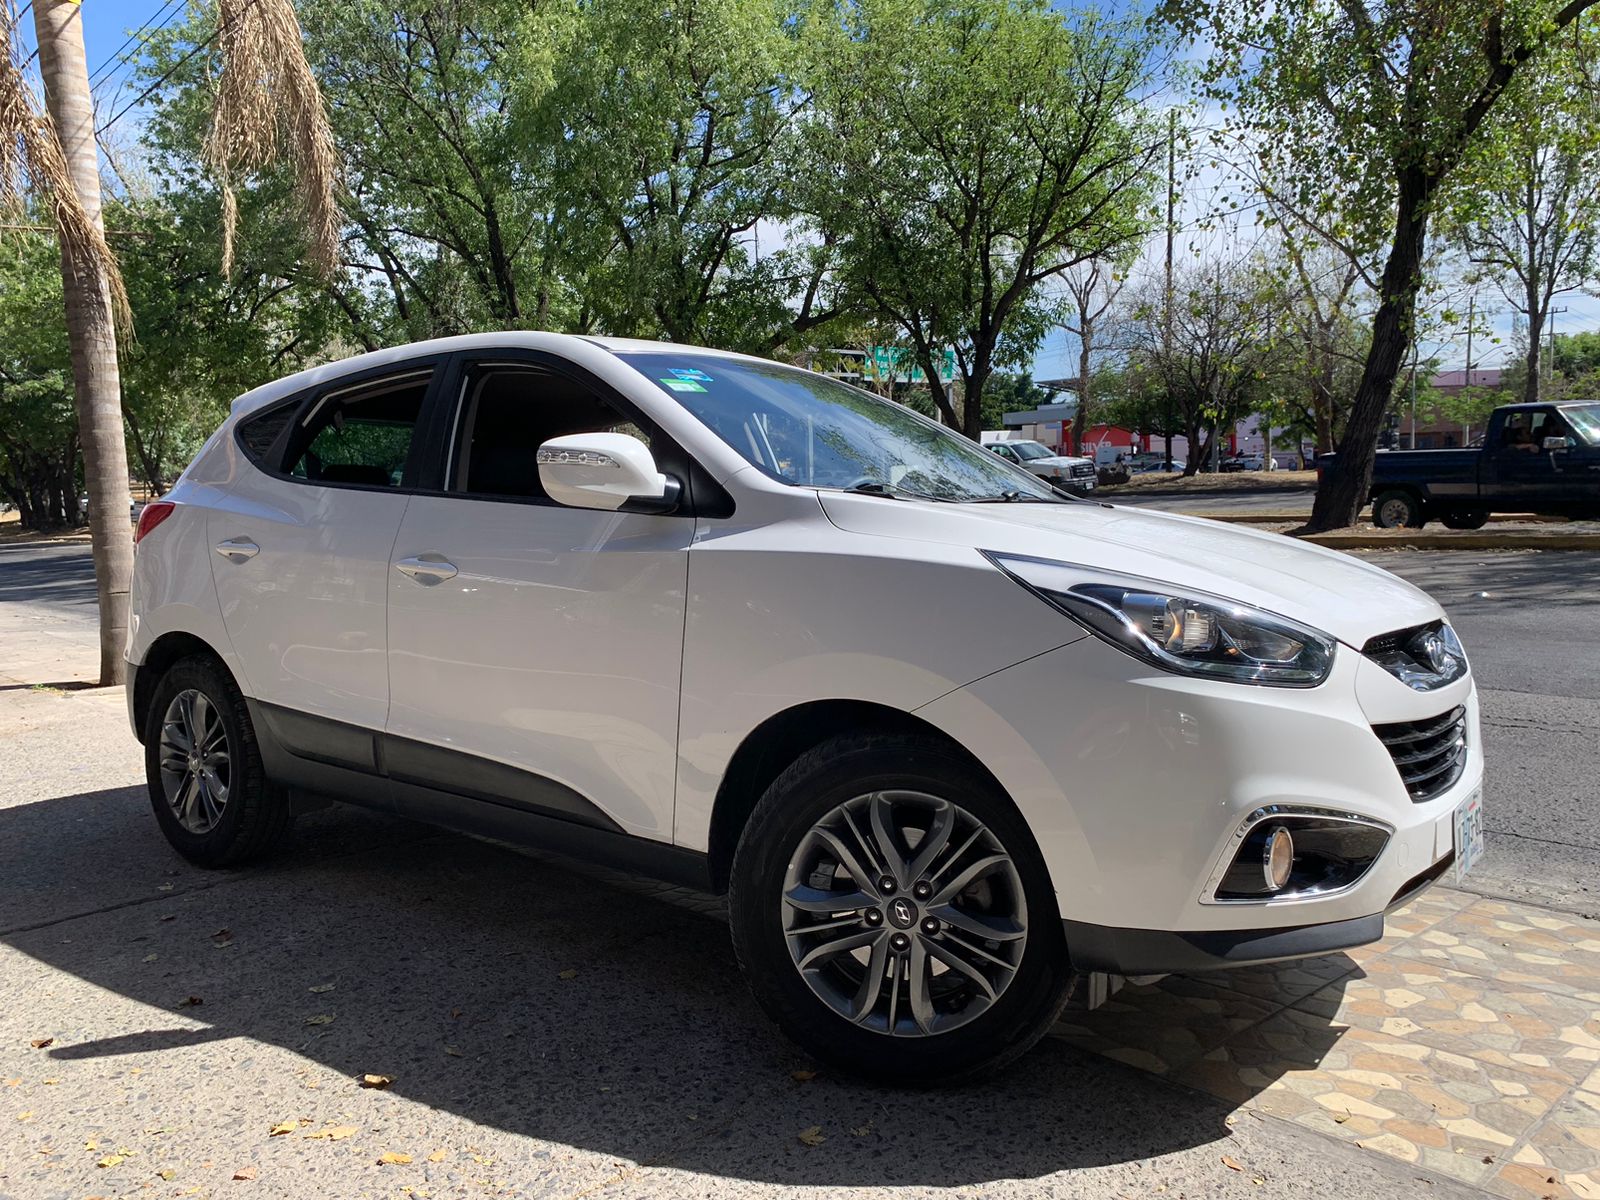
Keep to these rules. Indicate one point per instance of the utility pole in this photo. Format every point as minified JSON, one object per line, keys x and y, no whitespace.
{"x":1416,"y":355}
{"x":1550,"y":366}
{"x":1166,"y":329}
{"x":91,"y":333}
{"x":1466,"y":432}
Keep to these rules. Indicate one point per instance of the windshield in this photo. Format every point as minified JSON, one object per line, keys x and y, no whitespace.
{"x":808,"y":430}
{"x":1584,"y":419}
{"x":1027,"y":451}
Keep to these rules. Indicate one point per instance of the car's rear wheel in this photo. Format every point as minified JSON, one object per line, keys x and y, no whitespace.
{"x":1397,"y":509}
{"x":203,"y":767}
{"x":893,"y":914}
{"x":1470,"y":518}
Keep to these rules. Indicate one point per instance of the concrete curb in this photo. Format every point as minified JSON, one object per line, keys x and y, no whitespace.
{"x":1295,"y":518}
{"x":1423,"y":540}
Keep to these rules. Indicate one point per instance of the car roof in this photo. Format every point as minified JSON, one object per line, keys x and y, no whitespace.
{"x":497,"y":340}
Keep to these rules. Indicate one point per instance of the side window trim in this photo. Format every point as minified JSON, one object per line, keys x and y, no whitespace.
{"x":443,"y":410}
{"x":308,"y":403}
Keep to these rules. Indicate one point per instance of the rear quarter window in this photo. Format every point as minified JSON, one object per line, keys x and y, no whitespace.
{"x":258,"y":434}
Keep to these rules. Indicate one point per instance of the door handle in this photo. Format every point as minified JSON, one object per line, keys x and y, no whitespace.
{"x":238,"y":549}
{"x":426,"y":569}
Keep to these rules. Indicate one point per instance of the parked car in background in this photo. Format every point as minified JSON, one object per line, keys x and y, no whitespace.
{"x":1535,"y":458}
{"x":1244,"y":462}
{"x":1143,"y":464}
{"x":1077,"y":475}
{"x":711,"y":617}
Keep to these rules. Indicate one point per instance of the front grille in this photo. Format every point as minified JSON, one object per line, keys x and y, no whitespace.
{"x":1430,"y":755}
{"x":1082,"y":470}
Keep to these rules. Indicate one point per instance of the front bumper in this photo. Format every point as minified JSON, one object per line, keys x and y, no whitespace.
{"x":1135,"y":781}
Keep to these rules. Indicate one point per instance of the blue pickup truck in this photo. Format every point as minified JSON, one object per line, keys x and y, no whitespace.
{"x":1535,"y":458}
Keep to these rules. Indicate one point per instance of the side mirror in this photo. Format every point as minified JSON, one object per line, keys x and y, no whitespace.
{"x":1555,"y":443}
{"x":605,"y":471}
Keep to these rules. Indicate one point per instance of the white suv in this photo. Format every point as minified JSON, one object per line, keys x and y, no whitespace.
{"x":942,"y":735}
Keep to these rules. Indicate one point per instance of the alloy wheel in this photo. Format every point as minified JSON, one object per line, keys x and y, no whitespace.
{"x":904,"y":913}
{"x":196,"y":763}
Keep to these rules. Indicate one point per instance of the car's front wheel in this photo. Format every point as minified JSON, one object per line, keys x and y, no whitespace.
{"x":210,"y":795}
{"x":893,"y":914}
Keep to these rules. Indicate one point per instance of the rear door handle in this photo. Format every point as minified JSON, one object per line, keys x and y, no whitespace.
{"x":426,"y":569}
{"x":238,"y":549}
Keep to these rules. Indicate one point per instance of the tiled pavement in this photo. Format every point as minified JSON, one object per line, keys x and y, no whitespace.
{"x":1467,"y":1041}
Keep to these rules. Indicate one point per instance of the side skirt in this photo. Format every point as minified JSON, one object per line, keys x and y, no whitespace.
{"x":319,"y":759}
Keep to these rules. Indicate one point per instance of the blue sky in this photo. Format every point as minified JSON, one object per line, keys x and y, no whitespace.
{"x":106,"y":25}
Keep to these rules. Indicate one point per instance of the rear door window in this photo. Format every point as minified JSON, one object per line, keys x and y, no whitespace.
{"x":361,"y":436}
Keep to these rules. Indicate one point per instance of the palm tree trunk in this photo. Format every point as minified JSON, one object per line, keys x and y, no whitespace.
{"x":97,"y":387}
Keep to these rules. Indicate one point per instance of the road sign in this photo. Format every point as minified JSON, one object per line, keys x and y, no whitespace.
{"x":900,"y":364}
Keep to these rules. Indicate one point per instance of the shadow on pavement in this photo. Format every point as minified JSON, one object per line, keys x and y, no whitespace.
{"x":523,"y":996}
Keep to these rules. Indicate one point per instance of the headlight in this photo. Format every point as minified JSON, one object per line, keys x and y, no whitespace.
{"x":1183,"y":631}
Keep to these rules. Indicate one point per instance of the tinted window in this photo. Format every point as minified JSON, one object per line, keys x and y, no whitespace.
{"x":260,"y":433}
{"x":363,"y":435}
{"x":507,"y":413}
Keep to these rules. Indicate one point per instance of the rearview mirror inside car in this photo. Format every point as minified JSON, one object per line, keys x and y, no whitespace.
{"x":606,"y":471}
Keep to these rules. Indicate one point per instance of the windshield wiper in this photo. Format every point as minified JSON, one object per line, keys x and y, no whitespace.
{"x":1014,"y":497}
{"x":877,"y":487}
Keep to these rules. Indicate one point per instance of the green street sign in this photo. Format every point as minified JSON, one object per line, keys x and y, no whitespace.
{"x":899,"y":363}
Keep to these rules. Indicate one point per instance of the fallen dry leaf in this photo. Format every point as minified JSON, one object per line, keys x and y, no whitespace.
{"x":283,"y":1127}
{"x":813,"y":1136}
{"x":335,"y":1133}
{"x":376,"y":1081}
{"x":245,"y":1173}
{"x":320,"y":1019}
{"x":151,"y":957}
{"x":452,"y":1052}
{"x":91,"y":1145}
{"x":112,"y":1160}
{"x":569,"y":973}
{"x":802,"y":1076}
{"x":861,"y":1130}
{"x":222,"y":933}
{"x":1231,"y":1163}
{"x":14,"y":1082}
{"x":319,"y":988}
{"x":167,"y":1173}
{"x":390,"y":1158}
{"x":41,"y":1043}
{"x":190,"y":1002}
{"x":23,"y":1116}
{"x":436,"y":1156}
{"x":169,"y":917}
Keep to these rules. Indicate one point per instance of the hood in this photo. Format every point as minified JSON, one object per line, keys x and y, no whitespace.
{"x":1328,"y":590}
{"x":1057,"y":460}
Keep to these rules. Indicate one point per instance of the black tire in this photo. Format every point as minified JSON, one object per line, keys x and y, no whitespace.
{"x":826,"y":777}
{"x":256,"y":814}
{"x":1398,"y":509}
{"x":1471,"y":518}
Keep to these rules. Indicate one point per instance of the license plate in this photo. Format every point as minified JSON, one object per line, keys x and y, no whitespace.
{"x":1469,"y":833}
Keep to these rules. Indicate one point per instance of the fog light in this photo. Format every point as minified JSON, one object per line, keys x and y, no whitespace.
{"x":1277,"y":858}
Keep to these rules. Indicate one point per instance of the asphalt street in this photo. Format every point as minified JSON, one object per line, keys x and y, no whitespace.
{"x":552,"y":1031}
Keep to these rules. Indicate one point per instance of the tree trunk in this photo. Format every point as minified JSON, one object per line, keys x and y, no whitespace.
{"x":1080,"y":419}
{"x":1536,"y":320}
{"x":1345,"y":484}
{"x":972,"y":396}
{"x":97,"y":388}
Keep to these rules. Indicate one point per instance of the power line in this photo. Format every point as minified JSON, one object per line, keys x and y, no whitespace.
{"x":170,"y":72}
{"x":96,"y":76}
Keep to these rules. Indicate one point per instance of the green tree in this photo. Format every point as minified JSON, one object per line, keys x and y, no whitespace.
{"x":961,"y":154}
{"x":661,"y":174}
{"x":1527,"y":210}
{"x":38,"y":426}
{"x":1369,"y":107}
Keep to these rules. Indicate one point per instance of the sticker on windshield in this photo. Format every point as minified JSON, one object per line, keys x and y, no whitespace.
{"x":681,"y":385}
{"x":691,"y":373}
